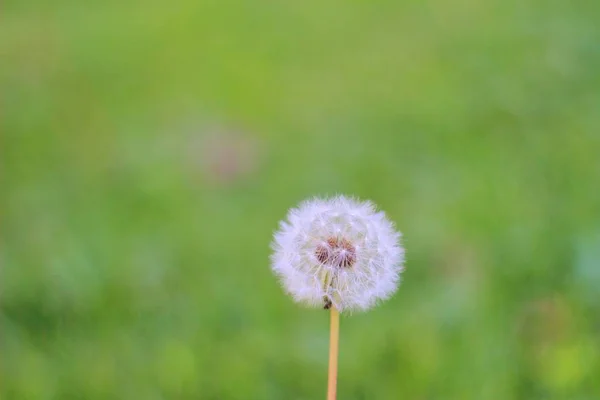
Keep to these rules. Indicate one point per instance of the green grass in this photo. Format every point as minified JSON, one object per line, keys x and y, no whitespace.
{"x":149,"y":151}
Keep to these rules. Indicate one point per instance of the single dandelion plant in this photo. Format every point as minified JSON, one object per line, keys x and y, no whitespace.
{"x":339,"y":254}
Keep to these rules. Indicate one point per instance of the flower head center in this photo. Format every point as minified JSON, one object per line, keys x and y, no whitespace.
{"x":336,"y":252}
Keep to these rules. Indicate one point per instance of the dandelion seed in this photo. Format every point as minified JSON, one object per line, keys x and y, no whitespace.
{"x":338,"y":252}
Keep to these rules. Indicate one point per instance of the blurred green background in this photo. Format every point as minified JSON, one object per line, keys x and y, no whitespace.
{"x":150,"y":148}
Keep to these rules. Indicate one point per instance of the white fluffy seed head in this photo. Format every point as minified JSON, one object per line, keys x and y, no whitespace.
{"x":338,"y":252}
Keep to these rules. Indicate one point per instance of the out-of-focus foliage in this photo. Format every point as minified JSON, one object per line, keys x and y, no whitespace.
{"x":150,"y":148}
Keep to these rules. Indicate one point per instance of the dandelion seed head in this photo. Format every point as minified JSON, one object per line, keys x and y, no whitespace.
{"x":338,"y":251}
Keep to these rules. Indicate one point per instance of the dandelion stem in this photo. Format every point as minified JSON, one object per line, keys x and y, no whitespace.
{"x":334,"y":337}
